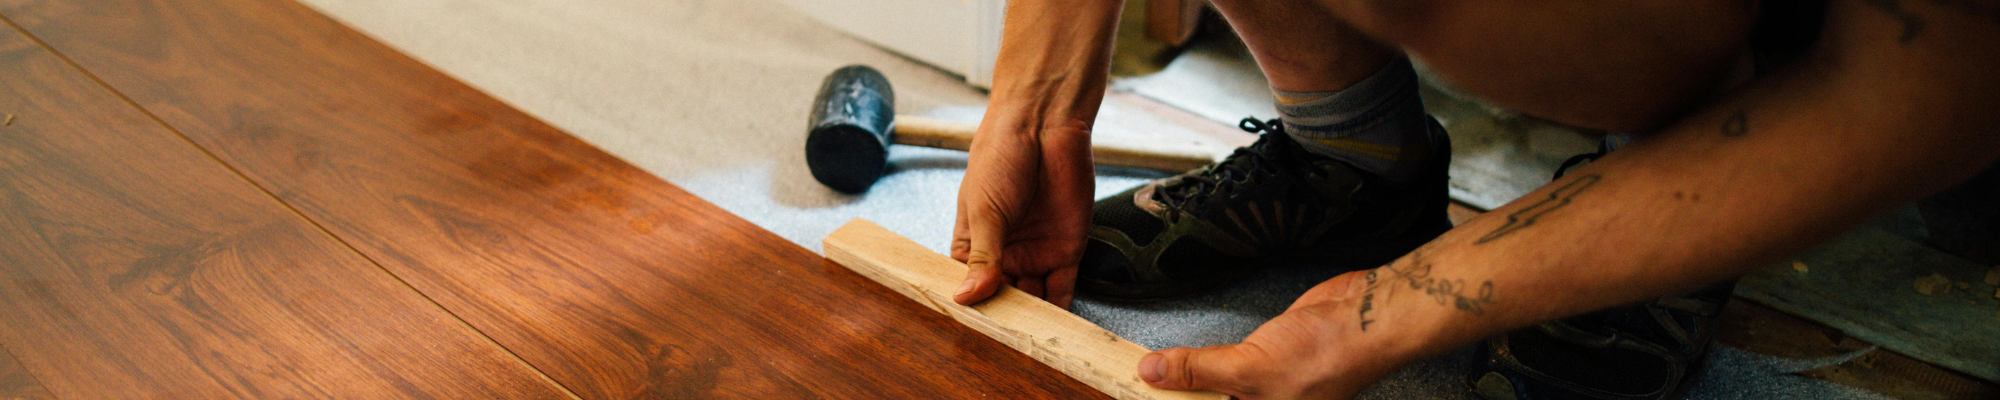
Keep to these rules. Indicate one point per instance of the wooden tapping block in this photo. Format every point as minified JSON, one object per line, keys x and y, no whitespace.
{"x":1041,"y":330}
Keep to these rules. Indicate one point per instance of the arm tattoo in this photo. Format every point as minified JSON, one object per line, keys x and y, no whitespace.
{"x":1444,"y":291}
{"x":1416,"y":276}
{"x":1737,"y":125}
{"x":1557,"y":199}
{"x":1368,"y":300}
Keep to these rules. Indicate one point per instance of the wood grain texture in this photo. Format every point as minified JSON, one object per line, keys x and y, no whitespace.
{"x":138,"y":267}
{"x":613,"y":282}
{"x":15,"y":381}
{"x":1043,"y":331}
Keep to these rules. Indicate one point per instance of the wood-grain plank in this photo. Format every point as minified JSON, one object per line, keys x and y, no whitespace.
{"x":15,"y":381}
{"x":610,"y":280}
{"x":139,"y":267}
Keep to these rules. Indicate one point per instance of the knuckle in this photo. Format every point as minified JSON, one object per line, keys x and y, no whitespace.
{"x":1190,"y":361}
{"x":979,"y":256}
{"x":1251,"y":373}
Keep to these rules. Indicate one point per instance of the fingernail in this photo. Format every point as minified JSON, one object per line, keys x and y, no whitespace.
{"x":1152,"y":367}
{"x":967,"y":287}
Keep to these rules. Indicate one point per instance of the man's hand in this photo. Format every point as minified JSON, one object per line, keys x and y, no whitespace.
{"x":1314,"y":350}
{"x":1024,"y":206}
{"x":1023,"y":211}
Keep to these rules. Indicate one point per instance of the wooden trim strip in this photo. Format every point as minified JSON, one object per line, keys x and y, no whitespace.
{"x":1034,"y":327}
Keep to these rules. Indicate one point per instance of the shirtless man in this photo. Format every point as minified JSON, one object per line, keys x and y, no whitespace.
{"x":1759,"y":129}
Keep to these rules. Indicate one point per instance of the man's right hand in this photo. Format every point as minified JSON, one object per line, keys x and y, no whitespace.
{"x":1023,"y":211}
{"x":1024,"y":206}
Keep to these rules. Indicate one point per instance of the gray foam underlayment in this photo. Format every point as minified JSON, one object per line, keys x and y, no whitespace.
{"x":713,"y":95}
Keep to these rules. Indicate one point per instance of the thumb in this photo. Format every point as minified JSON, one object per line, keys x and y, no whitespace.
{"x":982,"y":257}
{"x":1223,"y":369}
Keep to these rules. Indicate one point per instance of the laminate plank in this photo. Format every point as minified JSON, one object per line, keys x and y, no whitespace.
{"x":15,"y":381}
{"x":139,"y":267}
{"x":613,"y":282}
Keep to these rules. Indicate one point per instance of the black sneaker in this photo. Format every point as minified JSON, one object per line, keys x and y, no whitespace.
{"x":1647,"y":351}
{"x":1269,"y":202}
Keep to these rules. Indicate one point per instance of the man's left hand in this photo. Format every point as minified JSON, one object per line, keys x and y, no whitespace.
{"x":1312,"y":351}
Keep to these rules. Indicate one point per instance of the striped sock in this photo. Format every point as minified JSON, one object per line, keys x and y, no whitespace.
{"x":1377,"y":124}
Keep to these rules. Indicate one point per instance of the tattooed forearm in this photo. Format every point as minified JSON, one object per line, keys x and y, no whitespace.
{"x":1557,"y":199}
{"x":1737,"y":125}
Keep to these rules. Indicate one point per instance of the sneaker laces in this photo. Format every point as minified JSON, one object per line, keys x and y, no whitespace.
{"x":1579,"y":160}
{"x":1575,"y":161}
{"x":1188,"y":191}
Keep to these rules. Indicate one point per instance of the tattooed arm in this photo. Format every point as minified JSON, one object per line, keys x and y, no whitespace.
{"x":1895,"y":103}
{"x":1898,"y":100}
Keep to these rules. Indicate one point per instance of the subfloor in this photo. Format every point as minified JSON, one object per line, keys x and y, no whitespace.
{"x":712,"y":96}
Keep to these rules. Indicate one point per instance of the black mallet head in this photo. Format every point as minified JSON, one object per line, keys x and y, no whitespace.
{"x":847,"y":147}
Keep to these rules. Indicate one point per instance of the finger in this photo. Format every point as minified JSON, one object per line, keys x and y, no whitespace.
{"x":1219,"y":368}
{"x":1061,"y":287}
{"x":1033,"y":286}
{"x":981,"y":281}
{"x":961,"y":239}
{"x":982,"y":258}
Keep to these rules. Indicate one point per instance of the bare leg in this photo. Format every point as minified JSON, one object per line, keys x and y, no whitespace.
{"x":1302,"y":46}
{"x":1341,"y":94}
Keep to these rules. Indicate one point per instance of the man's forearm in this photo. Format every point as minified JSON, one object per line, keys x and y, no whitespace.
{"x":1053,"y":64}
{"x":1874,"y":119}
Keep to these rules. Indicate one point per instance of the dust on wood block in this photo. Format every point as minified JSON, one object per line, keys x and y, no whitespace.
{"x":1884,"y":289}
{"x":1933,"y":284}
{"x":1041,"y":330}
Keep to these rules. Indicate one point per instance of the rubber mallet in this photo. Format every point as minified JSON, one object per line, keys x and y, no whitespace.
{"x":854,"y":121}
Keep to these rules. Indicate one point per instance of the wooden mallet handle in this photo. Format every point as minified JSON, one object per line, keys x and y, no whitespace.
{"x":957,"y":135}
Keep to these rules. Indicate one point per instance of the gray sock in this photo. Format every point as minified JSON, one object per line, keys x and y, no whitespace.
{"x":1377,"y":124}
{"x":1615,"y":140}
